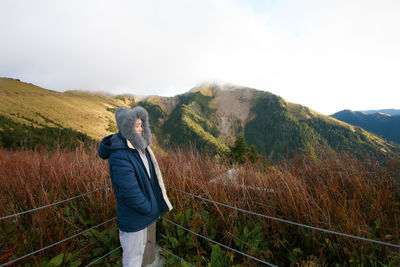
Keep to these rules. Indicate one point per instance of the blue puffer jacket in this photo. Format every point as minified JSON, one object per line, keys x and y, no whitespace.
{"x":140,"y":198}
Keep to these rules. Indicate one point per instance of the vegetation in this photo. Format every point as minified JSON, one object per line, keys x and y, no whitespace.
{"x":276,"y":131}
{"x":43,"y":160}
{"x":88,"y":113}
{"x":156,"y":117}
{"x":383,"y":125}
{"x":185,"y":128}
{"x":40,"y":178}
{"x":112,"y":127}
{"x":202,"y":100}
{"x":274,"y":127}
{"x":239,"y":152}
{"x":345,"y":139}
{"x":15,"y":135}
{"x":336,"y":192}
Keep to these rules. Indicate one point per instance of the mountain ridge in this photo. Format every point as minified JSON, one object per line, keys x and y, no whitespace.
{"x":382,"y":124}
{"x":208,"y":116}
{"x":390,"y":111}
{"x":295,"y":127}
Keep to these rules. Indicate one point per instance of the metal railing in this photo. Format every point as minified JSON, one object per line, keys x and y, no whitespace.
{"x":180,"y":226}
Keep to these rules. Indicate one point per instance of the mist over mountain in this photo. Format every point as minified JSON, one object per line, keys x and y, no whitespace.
{"x":209,"y":117}
{"x":380,"y":123}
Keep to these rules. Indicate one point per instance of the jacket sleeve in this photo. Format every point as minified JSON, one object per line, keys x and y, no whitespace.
{"x":124,"y":177}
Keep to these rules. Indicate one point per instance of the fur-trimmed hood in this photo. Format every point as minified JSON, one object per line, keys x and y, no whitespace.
{"x":126,"y":119}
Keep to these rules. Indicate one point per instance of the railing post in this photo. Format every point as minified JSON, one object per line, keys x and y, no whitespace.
{"x":150,"y":252}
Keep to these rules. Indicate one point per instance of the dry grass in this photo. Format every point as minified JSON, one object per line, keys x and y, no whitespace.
{"x":336,"y":192}
{"x":33,"y":179}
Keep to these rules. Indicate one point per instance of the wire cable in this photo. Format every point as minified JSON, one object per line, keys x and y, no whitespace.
{"x":104,"y":256}
{"x":289,"y":222}
{"x":222,"y":245}
{"x":169,"y":252}
{"x":57,"y":243}
{"x":52,"y":204}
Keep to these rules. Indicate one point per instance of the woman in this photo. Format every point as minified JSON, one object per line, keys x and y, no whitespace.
{"x":137,"y":181}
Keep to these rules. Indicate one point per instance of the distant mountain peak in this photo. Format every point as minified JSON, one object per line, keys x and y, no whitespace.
{"x":378,"y":122}
{"x":390,"y":111}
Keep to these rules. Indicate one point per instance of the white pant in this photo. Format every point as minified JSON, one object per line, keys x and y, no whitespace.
{"x":133,"y":245}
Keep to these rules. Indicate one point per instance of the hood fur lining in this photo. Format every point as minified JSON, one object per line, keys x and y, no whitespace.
{"x":126,"y":119}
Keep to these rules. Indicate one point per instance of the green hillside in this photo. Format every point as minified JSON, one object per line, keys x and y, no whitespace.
{"x":15,"y":135}
{"x":276,"y":131}
{"x":184,"y":121}
{"x":280,"y":127}
{"x":385,"y":125}
{"x":186,"y":127}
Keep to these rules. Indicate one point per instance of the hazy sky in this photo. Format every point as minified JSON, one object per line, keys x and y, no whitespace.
{"x":327,"y":55}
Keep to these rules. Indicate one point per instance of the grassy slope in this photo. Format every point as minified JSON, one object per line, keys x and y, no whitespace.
{"x":185,"y":126}
{"x":83,"y":112}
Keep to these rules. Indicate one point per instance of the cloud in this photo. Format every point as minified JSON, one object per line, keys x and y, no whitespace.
{"x":328,"y":55}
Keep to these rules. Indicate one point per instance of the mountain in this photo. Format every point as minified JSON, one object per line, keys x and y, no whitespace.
{"x":209,"y":114}
{"x":209,"y":117}
{"x":387,"y":111}
{"x":382,"y":124}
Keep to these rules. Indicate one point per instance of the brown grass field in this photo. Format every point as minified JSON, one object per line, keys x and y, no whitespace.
{"x":336,"y":192}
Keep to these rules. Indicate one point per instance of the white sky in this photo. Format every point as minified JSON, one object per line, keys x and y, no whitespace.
{"x":327,"y":55}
